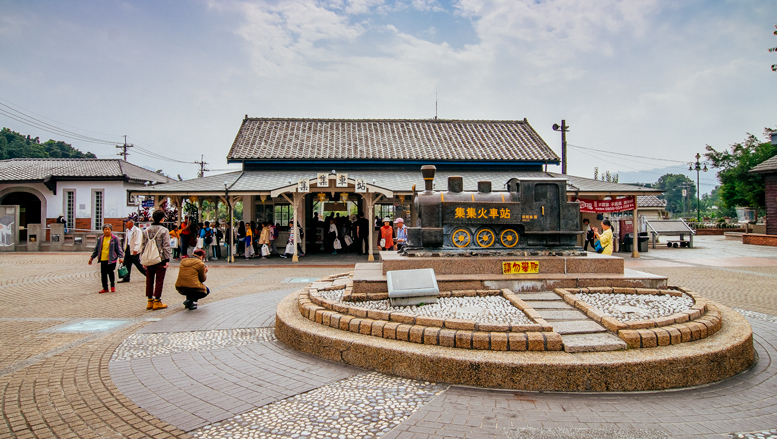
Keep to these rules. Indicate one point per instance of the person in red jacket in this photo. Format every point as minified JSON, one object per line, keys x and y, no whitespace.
{"x":386,"y":235}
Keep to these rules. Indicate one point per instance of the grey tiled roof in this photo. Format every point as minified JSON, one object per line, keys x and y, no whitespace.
{"x":650,"y":201}
{"x":766,"y":166}
{"x":310,"y":139}
{"x":394,"y":180}
{"x":41,"y":169}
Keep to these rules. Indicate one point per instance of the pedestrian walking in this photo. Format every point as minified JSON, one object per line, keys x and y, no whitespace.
{"x":331,"y":236}
{"x":264,"y":240}
{"x":362,"y":234}
{"x":109,"y":251}
{"x":185,"y":237}
{"x":290,"y":243}
{"x":589,"y":234}
{"x":273,"y":237}
{"x":249,"y":241}
{"x":191,"y":274}
{"x":241,"y":235}
{"x":132,"y":239}
{"x":157,"y":235}
{"x":219,"y":237}
{"x":175,"y":242}
{"x":605,"y":238}
{"x":208,"y":237}
{"x":401,"y":233}
{"x":386,"y":235}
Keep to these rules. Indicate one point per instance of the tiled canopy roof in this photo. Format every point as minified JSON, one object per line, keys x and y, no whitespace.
{"x":650,"y":201}
{"x":430,"y":140}
{"x":767,"y":166}
{"x":41,"y":169}
{"x":395,"y":181}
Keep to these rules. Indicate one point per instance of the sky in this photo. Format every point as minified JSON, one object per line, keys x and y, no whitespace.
{"x":649,"y":78}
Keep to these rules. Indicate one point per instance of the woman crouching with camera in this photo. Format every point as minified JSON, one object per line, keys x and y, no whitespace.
{"x":191,"y":274}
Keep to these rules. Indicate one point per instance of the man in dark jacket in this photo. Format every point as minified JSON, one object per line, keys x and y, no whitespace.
{"x":362,"y":233}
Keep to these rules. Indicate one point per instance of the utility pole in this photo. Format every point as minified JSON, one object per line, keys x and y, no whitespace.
{"x":202,"y":164}
{"x":563,"y":128}
{"x":124,"y":148}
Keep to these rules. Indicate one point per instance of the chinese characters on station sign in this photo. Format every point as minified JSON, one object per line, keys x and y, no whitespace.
{"x":484,"y":213}
{"x":342,"y":180}
{"x":322,"y":180}
{"x":361,"y":185}
{"x":604,"y":206}
{"x":303,"y":186}
{"x":522,"y":267}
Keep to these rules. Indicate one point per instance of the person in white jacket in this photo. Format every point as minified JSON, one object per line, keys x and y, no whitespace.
{"x":133,"y":237}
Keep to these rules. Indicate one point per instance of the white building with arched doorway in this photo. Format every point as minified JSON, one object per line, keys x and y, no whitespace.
{"x":87,"y":192}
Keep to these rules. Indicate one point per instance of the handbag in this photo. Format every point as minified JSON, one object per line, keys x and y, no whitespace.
{"x":598,"y":246}
{"x":337,"y":244}
{"x":265,"y":250}
{"x":383,"y":243}
{"x":348,"y":240}
{"x":150,"y":255}
{"x":123,"y":272}
{"x":200,"y":242}
{"x":173,"y":242}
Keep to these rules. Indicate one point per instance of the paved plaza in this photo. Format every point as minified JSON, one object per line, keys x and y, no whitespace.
{"x":74,"y":363}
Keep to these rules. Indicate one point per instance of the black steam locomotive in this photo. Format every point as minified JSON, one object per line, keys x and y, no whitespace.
{"x":533,"y":214}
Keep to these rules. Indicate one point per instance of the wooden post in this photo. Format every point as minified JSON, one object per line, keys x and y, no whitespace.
{"x":635,"y":239}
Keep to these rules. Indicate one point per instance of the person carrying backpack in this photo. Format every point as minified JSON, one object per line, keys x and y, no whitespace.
{"x":206,"y":233}
{"x":155,"y":257}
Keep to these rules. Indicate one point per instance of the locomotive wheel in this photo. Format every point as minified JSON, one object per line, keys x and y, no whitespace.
{"x":461,"y":237}
{"x":485,"y":238}
{"x":509,"y":238}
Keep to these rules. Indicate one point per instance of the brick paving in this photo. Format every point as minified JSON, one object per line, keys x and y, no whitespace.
{"x":56,"y":384}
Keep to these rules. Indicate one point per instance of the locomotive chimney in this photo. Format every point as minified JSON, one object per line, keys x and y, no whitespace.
{"x":455,"y":184}
{"x":428,"y":172}
{"x":484,"y":187}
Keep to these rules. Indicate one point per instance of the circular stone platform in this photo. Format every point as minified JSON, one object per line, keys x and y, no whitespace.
{"x":719,"y":356}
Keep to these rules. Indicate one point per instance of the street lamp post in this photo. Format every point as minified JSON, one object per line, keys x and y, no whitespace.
{"x":698,"y":166}
{"x":231,"y":220}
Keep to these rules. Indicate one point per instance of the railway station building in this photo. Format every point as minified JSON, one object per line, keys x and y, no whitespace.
{"x":300,"y":169}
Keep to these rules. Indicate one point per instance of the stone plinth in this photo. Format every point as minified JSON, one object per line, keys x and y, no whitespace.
{"x":35,"y":234}
{"x":719,"y":356}
{"x":57,"y":238}
{"x":591,"y":263}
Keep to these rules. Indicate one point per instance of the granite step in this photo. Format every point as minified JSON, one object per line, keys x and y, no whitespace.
{"x":539,"y":296}
{"x":600,"y":342}
{"x":577,"y":327}
{"x":550,"y":304}
{"x":561,"y":314}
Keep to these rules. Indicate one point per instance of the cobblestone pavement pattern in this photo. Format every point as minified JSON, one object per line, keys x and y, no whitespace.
{"x":219,"y":372}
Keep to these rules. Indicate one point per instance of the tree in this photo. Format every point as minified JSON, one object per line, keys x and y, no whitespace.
{"x":15,"y":145}
{"x":673,"y":185}
{"x":739,"y":187}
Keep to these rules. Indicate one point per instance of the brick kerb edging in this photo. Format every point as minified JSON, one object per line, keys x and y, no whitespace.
{"x":727,"y":353}
{"x":702,"y":320}
{"x":454,"y":333}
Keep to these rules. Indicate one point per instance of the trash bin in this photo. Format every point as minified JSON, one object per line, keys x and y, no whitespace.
{"x":644,"y":240}
{"x":626,"y":244}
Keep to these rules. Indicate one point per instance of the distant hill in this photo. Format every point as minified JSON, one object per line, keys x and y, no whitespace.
{"x":14,"y":145}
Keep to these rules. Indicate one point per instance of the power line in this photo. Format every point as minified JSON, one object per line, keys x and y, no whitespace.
{"x":627,"y":155}
{"x":48,"y":118}
{"x":37,"y":123}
